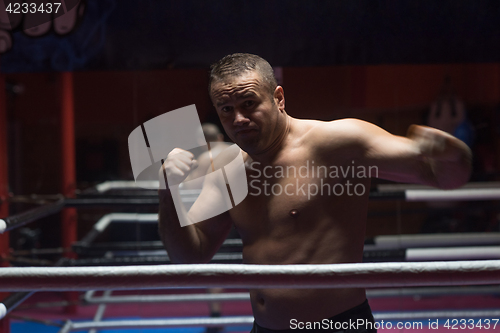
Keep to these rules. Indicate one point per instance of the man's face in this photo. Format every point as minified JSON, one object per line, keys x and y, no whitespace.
{"x":247,"y":110}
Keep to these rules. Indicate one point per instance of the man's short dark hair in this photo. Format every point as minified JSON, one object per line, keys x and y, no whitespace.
{"x":237,"y":64}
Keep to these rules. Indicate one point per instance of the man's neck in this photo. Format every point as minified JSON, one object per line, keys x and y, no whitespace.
{"x":269,"y":154}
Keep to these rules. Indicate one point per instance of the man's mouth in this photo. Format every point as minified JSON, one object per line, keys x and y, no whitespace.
{"x":246,"y":131}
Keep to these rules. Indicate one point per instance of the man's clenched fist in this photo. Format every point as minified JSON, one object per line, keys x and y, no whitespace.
{"x":178,"y":166}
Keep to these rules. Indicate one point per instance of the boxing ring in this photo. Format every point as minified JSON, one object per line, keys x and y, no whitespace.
{"x":363,"y":275}
{"x":426,"y":266}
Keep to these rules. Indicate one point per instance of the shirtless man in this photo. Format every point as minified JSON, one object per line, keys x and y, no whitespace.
{"x":294,"y":226}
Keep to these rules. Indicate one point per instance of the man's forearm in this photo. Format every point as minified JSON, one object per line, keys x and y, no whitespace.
{"x":182,"y":243}
{"x":443,"y":160}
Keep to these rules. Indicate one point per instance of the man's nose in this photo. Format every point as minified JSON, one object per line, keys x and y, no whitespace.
{"x":240,"y":118}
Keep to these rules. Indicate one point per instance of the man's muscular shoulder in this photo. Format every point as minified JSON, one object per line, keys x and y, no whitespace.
{"x":345,"y":136}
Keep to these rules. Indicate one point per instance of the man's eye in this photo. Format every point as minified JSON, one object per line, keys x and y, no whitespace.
{"x":226,"y":109}
{"x":249,"y":103}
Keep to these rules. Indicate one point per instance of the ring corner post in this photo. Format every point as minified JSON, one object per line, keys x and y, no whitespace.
{"x":68,"y":182}
{"x":4,"y":189}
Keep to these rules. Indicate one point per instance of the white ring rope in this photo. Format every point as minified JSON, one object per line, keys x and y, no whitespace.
{"x":465,"y":194}
{"x":368,"y":275}
{"x":3,"y":310}
{"x":395,"y":187}
{"x":104,"y":221}
{"x":3,"y":226}
{"x":222,"y":297}
{"x":433,"y":240}
{"x":248,"y":320}
{"x":126,"y":184}
{"x":157,"y":323}
{"x":453,"y":253}
{"x":468,"y":192}
{"x":245,"y":296}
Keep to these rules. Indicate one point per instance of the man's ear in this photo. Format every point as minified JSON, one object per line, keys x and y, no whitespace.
{"x":279,"y":97}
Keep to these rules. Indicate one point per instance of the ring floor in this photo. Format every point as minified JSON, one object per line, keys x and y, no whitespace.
{"x":33,"y":309}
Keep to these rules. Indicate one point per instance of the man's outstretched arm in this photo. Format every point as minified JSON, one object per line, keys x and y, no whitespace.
{"x":426,"y":156}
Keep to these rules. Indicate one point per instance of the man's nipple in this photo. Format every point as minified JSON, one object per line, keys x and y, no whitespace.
{"x":294,"y":213}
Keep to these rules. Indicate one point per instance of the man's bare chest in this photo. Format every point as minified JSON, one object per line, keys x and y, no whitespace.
{"x":295,"y":189}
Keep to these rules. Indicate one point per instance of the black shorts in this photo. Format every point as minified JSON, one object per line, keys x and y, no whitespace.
{"x":346,"y":321}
